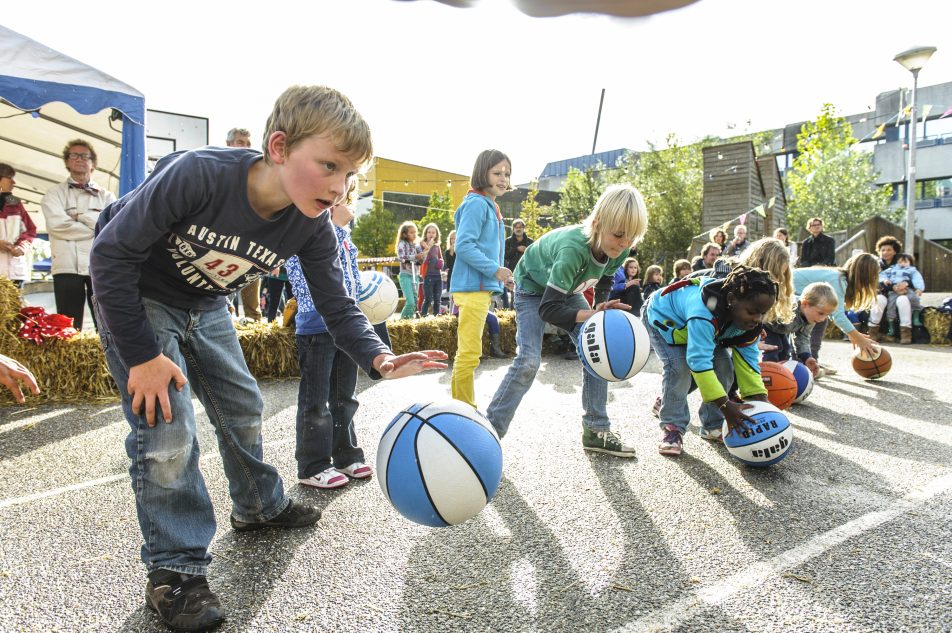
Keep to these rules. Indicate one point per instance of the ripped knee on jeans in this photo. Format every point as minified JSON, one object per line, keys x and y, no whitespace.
{"x":166,"y":467}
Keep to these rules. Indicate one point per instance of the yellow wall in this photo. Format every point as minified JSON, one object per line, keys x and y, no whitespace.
{"x":392,"y":175}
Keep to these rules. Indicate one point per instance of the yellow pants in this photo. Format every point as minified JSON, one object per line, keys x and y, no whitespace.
{"x":473,"y":307}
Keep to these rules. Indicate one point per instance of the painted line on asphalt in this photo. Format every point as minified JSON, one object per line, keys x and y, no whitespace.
{"x":15,"y":501}
{"x":680,"y":611}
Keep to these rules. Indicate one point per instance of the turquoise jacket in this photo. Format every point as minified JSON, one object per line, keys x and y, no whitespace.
{"x":480,"y":245}
{"x":693,"y":313}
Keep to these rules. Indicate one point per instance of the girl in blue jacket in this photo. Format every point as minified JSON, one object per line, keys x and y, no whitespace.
{"x":478,"y":271}
{"x":707,"y":330}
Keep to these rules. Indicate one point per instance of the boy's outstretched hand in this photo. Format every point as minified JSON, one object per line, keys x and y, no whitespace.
{"x":12,"y":373}
{"x":150,"y":380}
{"x":391,"y":366}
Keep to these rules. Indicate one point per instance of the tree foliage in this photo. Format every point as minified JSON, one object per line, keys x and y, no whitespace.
{"x":532,"y":211}
{"x":831,"y":180}
{"x":672,"y":181}
{"x":375,"y":233}
{"x":579,"y":192}
{"x":440,"y":212}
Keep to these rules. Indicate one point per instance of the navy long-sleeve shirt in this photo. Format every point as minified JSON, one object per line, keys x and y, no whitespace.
{"x":188,"y":237}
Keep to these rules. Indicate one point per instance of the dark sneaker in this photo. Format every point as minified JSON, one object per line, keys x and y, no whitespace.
{"x":185,"y":603}
{"x":296,"y":515}
{"x":656,"y":407}
{"x":670,"y":441}
{"x":605,"y":442}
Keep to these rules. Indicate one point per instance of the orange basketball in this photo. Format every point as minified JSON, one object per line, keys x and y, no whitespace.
{"x":780,"y":383}
{"x":872,"y":367}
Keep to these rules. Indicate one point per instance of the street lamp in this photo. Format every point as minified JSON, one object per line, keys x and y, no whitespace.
{"x":913,"y":60}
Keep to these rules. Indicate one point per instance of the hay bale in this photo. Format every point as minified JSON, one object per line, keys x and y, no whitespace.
{"x":10,"y":303}
{"x":937,"y":324}
{"x":270,"y":350}
{"x":72,"y":370}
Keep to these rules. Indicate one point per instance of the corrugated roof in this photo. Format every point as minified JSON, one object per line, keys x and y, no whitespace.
{"x":562,"y":167}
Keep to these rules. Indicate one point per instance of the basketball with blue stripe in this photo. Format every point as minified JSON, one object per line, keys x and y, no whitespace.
{"x":764,"y":443}
{"x":440,"y":463}
{"x":803,"y":376}
{"x":378,"y":296}
{"x":613,"y":345}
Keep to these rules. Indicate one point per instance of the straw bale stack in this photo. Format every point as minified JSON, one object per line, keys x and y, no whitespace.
{"x":270,"y":350}
{"x":937,"y":324}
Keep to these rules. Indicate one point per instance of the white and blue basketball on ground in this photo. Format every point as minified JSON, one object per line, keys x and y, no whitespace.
{"x":764,"y":443}
{"x":439,"y":463}
{"x":803,"y":376}
{"x":613,"y":345}
{"x":378,"y":296}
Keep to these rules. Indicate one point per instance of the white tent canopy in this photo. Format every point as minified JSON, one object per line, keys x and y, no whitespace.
{"x":48,"y":99}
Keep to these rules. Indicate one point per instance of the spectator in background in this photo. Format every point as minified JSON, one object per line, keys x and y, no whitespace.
{"x":740,"y":242}
{"x":817,"y":250}
{"x":719,"y":237}
{"x":238,"y":137}
{"x":71,"y":209}
{"x":516,"y":245}
{"x":782,"y":235}
{"x":449,"y":258}
{"x":652,"y":281}
{"x":626,"y":285}
{"x":16,"y":231}
{"x":682,"y":268}
{"x":709,"y":255}
{"x":250,"y":294}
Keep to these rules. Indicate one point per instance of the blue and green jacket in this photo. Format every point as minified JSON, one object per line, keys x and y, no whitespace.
{"x":693,"y":312}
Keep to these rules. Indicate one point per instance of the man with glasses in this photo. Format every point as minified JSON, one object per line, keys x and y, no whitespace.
{"x":818,"y":249}
{"x":71,"y":209}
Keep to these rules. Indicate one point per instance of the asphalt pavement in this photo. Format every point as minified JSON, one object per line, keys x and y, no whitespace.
{"x":850,"y":533}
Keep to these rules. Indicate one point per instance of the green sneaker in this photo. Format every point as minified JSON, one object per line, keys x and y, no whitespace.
{"x":605,"y":442}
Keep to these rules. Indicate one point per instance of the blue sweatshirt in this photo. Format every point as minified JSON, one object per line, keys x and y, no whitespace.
{"x":693,"y":312}
{"x":480,"y":245}
{"x":188,"y":237}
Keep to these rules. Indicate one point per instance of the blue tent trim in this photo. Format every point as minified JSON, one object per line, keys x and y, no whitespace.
{"x":31,"y":94}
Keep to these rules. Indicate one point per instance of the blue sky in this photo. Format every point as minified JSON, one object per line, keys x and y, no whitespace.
{"x":439,"y":84}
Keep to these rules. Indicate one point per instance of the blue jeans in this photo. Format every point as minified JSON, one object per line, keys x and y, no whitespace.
{"x":174,"y":510}
{"x":326,"y":406}
{"x":432,"y":293}
{"x":529,"y":330}
{"x":676,"y":381}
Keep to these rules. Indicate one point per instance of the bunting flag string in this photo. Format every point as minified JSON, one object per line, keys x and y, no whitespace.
{"x":760,"y":209}
{"x":946,"y":113}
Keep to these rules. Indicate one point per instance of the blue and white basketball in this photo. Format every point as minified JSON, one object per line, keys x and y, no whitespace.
{"x":613,"y":345}
{"x":439,"y":463}
{"x":378,"y":296}
{"x":762,"y":444}
{"x":803,"y":376}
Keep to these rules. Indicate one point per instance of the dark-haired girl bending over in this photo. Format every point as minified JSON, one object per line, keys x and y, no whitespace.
{"x":693,"y":325}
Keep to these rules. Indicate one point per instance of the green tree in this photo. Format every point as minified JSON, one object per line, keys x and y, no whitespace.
{"x":672,"y":181}
{"x":440,"y":212}
{"x":831,"y":180}
{"x":579,"y":192}
{"x":375,"y":233}
{"x":532,"y":211}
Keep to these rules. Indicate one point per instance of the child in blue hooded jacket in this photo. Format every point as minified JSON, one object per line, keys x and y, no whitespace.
{"x":478,"y":272}
{"x":707,"y":329}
